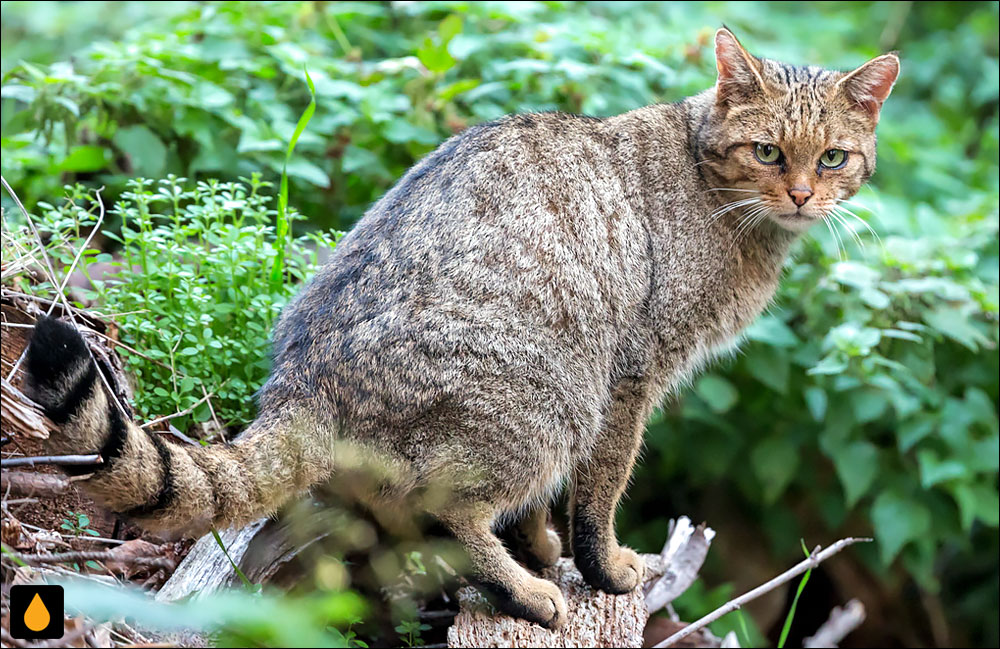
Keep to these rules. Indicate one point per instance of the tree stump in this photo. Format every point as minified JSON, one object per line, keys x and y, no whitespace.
{"x":595,"y":619}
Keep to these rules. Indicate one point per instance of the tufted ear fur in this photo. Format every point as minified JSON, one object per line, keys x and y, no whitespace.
{"x":739,"y":71}
{"x":869,"y":86}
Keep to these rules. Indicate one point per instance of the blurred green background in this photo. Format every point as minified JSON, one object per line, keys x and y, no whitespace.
{"x":865,"y":400}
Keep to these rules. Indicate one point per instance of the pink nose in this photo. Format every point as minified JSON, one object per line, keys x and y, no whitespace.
{"x":800,"y":195}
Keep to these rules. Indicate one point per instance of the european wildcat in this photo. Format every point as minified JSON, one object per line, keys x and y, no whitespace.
{"x":505,"y":318}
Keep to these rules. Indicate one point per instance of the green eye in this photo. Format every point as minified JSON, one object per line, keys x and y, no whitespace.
{"x":767,"y":153}
{"x":833,"y":159}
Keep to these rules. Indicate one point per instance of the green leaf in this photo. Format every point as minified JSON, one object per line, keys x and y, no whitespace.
{"x":913,"y":430}
{"x":146,"y":152}
{"x":769,"y":330}
{"x":775,"y":461}
{"x":85,"y":158}
{"x":832,"y":364}
{"x":854,"y":274}
{"x":787,"y":626}
{"x":857,"y":467}
{"x":19,"y":92}
{"x":435,"y":57}
{"x":718,"y":393}
{"x":955,"y":324}
{"x":897,"y":520}
{"x":769,"y":366}
{"x":452,"y":90}
{"x":979,"y":501}
{"x":868,"y":404}
{"x":934,"y":470}
{"x":816,"y":401}
{"x":283,"y":228}
{"x":400,"y":131}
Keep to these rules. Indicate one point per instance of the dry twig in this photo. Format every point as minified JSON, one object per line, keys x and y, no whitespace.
{"x":814,"y":560}
{"x":115,"y":556}
{"x":61,"y":460}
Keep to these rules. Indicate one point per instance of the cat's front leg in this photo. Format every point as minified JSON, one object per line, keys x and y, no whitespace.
{"x":598,"y":484}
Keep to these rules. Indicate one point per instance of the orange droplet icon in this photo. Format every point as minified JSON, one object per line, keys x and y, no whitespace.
{"x":36,"y":617}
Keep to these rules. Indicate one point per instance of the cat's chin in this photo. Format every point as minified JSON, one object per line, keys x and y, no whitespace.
{"x":795,"y":222}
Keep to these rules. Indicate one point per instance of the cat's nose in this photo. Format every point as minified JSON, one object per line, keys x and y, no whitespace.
{"x":800,"y":195}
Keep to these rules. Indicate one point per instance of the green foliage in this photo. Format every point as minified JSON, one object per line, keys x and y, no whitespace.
{"x":234,"y":618}
{"x":189,"y":288}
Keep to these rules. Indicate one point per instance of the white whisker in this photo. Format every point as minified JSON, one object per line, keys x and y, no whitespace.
{"x":850,"y":229}
{"x":750,"y":220}
{"x":731,"y":189}
{"x":841,"y":208}
{"x":841,"y":250}
{"x":729,"y":207}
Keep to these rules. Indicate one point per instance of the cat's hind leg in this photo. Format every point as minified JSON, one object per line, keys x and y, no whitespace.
{"x":532,"y":541}
{"x":598,"y":484}
{"x":510,"y":587}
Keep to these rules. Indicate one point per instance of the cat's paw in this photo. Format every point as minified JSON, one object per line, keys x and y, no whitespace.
{"x":548,"y":551}
{"x":540,"y":552}
{"x":538,"y":601}
{"x":619,"y":574}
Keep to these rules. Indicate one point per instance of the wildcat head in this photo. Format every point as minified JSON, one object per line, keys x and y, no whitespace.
{"x":797,"y":139}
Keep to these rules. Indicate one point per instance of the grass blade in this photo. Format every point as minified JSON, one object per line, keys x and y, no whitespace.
{"x":283,"y":229}
{"x":791,"y":612}
{"x":252,"y":587}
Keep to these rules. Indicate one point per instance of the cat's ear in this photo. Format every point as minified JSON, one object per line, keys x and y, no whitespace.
{"x":869,"y":86}
{"x":739,"y":71}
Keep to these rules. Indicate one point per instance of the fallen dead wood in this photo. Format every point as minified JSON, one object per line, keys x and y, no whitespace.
{"x":27,"y":483}
{"x":105,"y":556}
{"x":841,"y":622}
{"x":206,"y":568}
{"x":21,"y":414}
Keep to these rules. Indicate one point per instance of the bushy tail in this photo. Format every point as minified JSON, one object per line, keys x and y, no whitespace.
{"x":166,"y":486}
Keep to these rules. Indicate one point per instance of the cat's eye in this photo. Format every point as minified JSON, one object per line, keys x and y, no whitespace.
{"x":767,"y":153}
{"x":833,"y":159}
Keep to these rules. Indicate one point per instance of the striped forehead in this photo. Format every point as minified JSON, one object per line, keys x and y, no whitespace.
{"x":802,"y":99}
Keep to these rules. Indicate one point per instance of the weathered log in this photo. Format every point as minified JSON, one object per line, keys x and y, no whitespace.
{"x":28,"y":483}
{"x":206,"y":569}
{"x":21,"y":415}
{"x":595,"y":619}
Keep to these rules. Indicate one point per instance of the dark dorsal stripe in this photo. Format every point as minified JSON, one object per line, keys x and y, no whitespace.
{"x":165,"y":496}
{"x":69,"y":406}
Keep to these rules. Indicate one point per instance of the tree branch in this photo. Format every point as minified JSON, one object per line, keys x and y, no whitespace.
{"x":62,"y":460}
{"x":814,"y":560}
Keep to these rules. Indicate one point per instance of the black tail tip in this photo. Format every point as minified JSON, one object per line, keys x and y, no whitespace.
{"x":56,"y":347}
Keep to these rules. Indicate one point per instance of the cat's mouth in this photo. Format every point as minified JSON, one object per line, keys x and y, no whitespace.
{"x":796,"y":220}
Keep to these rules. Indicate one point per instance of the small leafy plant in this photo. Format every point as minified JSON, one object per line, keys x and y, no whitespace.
{"x":409,"y":632}
{"x":190,"y":288}
{"x":77,"y":524}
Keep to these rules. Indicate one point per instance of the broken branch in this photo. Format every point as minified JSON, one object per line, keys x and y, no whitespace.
{"x":814,"y":560}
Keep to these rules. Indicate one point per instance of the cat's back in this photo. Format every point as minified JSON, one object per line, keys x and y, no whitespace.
{"x":513,"y":246}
